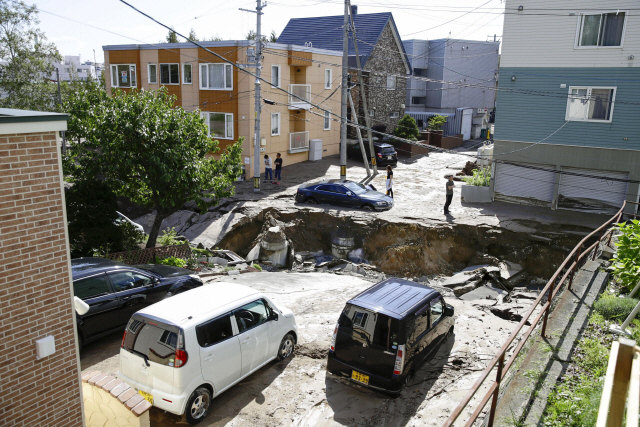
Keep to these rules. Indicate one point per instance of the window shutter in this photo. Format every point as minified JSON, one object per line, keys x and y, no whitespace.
{"x":203,"y":76}
{"x":228,"y":76}
{"x":229,"y":121}
{"x":134,"y":82}
{"x":114,"y":76}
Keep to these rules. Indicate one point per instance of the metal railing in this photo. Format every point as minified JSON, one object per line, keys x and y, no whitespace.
{"x":571,"y":264}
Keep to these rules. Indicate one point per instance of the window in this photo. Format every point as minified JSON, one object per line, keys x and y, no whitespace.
{"x":601,"y":29}
{"x":327,"y":78}
{"x":275,"y":124}
{"x":153,"y":73}
{"x":421,"y":326}
{"x":420,"y":72}
{"x":216,"y":76}
{"x":250,"y":315}
{"x":156,"y":343}
{"x":91,"y":287}
{"x":417,"y":100}
{"x":275,"y":76}
{"x":590,"y":104}
{"x":327,"y":120}
{"x":298,"y":142}
{"x":170,"y":74}
{"x":372,"y":113}
{"x":436,"y":309}
{"x":125,"y":280}
{"x":394,"y":115}
{"x":375,"y":329}
{"x":391,"y":82}
{"x":325,"y":188}
{"x":123,"y":75}
{"x":220,"y":124}
{"x":214,"y":331}
{"x":186,"y":74}
{"x":360,"y":319}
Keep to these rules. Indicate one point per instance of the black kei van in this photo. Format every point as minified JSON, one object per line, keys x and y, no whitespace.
{"x":385,"y":332}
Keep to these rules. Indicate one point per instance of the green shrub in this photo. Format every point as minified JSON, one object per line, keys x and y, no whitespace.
{"x":201,"y":252}
{"x":613,"y":307}
{"x":480,"y":178}
{"x":626,"y":261}
{"x":168,"y":237}
{"x":437,"y":122}
{"x":174,"y":261}
{"x":407,"y":128}
{"x":257,"y":267}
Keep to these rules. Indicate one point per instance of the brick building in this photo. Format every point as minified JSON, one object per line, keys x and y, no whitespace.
{"x":35,"y":280}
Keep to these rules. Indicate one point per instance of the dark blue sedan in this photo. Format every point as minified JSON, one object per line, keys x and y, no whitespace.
{"x":344,"y":193}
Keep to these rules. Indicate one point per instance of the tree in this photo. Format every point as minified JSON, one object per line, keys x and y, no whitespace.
{"x":407,"y":128}
{"x":148,"y":151}
{"x":436,"y":122}
{"x":172,"y":37}
{"x":273,"y":37}
{"x":26,"y":59}
{"x":192,"y":35}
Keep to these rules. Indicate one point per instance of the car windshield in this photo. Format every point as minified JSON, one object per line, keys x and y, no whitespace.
{"x":376,"y":328}
{"x":387,"y":150}
{"x":355,"y":187}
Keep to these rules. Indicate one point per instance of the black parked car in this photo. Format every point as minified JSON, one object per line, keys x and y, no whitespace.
{"x":344,"y":193}
{"x":384,"y":333}
{"x":385,"y":153}
{"x":114,"y":291}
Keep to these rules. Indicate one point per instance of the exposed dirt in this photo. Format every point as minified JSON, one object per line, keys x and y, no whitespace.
{"x":300,"y":392}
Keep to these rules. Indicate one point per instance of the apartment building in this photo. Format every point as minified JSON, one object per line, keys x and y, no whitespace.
{"x":72,"y":68}
{"x":224,"y":95}
{"x":567,"y":107}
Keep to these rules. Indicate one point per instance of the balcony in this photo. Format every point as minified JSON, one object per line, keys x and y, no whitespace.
{"x":298,"y":142}
{"x":302,"y":91}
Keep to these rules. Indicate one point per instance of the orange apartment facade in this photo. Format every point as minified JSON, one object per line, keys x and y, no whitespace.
{"x":224,"y":95}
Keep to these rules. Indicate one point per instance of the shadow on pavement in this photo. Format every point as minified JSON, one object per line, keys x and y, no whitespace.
{"x":100,"y":349}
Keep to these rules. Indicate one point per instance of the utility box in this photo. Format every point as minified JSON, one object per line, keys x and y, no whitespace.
{"x":315,"y":150}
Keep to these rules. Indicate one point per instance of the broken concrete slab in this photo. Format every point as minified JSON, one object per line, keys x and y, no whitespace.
{"x":460,"y":279}
{"x":220,"y":261}
{"x":485,"y":292}
{"x":466,"y":288}
{"x":254,"y":253}
{"x":509,"y":269}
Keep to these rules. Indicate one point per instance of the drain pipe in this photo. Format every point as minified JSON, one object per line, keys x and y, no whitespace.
{"x":362,"y":150}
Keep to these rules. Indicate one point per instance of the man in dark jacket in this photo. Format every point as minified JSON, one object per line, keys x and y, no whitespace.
{"x":449,"y":187}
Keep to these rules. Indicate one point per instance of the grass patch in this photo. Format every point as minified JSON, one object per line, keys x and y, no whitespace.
{"x":257,"y":267}
{"x":611,"y":307}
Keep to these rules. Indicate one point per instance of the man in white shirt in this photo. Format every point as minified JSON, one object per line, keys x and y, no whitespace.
{"x":268,"y":168}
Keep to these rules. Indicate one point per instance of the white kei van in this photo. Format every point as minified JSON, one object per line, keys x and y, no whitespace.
{"x":185,"y":350}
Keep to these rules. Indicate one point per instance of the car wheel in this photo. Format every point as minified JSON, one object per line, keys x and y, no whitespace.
{"x":311,"y":201}
{"x":197,"y":406}
{"x":367,"y":207}
{"x":287,"y":346}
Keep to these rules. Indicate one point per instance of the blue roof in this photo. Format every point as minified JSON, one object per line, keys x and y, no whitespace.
{"x":325,"y":32}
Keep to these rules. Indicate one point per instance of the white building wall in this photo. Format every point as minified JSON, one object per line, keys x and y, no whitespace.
{"x":555,"y":32}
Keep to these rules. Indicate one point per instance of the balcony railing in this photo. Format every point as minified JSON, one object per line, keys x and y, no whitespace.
{"x":301,"y":91}
{"x":298,"y":142}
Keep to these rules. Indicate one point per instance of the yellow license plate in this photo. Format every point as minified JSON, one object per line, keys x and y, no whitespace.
{"x":361,"y":378}
{"x":148,"y":397}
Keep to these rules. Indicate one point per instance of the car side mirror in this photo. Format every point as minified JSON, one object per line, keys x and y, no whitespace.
{"x":349,"y":193}
{"x":274,"y":316}
{"x":448,"y":310}
{"x":81,"y":307}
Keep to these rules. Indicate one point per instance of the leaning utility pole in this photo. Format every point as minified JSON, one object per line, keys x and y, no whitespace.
{"x":343,"y":108}
{"x":258,"y":104}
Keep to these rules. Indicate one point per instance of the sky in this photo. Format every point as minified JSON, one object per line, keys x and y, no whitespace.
{"x":78,"y":26}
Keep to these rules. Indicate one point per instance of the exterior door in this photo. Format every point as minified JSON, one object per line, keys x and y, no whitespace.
{"x":254,"y":333}
{"x":341,"y":196}
{"x":324,"y":193}
{"x":467,"y":118}
{"x":220,"y":354}
{"x":525,"y":185}
{"x":103,"y":313}
{"x":602,"y":191}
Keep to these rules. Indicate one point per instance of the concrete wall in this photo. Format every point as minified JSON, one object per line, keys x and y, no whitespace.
{"x":109,"y":402}
{"x":530,"y":40}
{"x":35,"y":285}
{"x":417,"y":54}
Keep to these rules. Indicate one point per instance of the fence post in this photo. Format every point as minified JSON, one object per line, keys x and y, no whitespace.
{"x":595,"y":250}
{"x":574,"y":268}
{"x":546,"y":313}
{"x":494,"y":401}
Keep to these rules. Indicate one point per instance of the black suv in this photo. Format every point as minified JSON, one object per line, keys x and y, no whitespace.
{"x":114,"y":291}
{"x":385,"y":153}
{"x":384,"y":333}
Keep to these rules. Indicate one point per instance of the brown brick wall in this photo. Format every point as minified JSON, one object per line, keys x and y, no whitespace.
{"x":35,"y":294}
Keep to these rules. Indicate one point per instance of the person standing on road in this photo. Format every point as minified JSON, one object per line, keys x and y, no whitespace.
{"x":278,"y":168}
{"x":389,"y":181}
{"x":449,"y":187}
{"x":268,"y":171}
